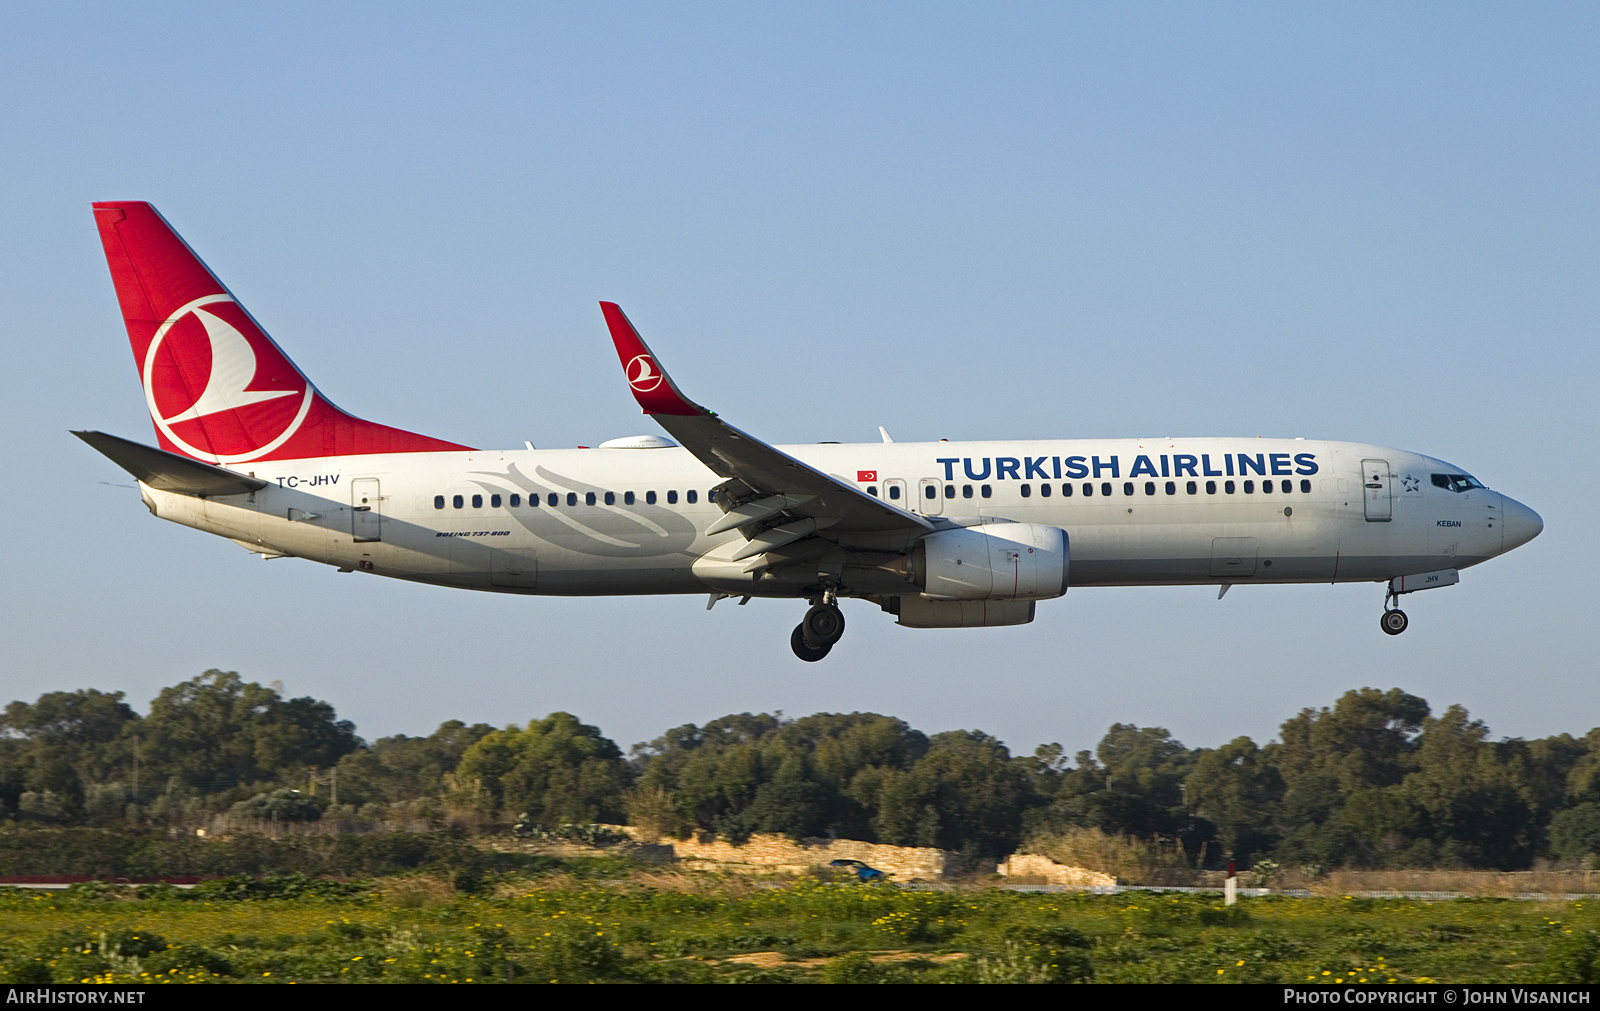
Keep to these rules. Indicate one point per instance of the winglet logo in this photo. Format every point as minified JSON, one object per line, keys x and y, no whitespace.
{"x":231,"y":422}
{"x":643,"y":375}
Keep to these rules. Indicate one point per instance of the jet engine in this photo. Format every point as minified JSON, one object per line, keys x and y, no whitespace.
{"x":992,"y":561}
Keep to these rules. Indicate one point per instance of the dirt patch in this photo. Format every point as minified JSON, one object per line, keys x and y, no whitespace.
{"x":777,"y":960}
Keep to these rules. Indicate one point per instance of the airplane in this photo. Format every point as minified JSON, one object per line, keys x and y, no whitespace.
{"x":937,"y":534}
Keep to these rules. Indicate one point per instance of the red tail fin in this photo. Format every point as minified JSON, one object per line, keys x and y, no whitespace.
{"x":217,"y":387}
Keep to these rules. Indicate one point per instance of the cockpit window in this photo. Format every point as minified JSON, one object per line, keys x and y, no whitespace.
{"x":1456,"y":482}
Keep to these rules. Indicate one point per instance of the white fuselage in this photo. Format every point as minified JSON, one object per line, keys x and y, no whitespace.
{"x":1131,"y":516}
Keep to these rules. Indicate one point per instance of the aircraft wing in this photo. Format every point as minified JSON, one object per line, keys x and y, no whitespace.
{"x":770,"y":496}
{"x":166,"y":471}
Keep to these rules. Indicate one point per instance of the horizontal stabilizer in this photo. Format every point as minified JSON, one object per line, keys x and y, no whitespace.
{"x":166,"y":471}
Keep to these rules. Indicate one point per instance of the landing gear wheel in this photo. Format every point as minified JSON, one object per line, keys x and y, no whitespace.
{"x":823,"y":625}
{"x":803,"y":649}
{"x":1394,"y":622}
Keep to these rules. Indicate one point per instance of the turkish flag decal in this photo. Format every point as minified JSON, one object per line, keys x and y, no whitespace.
{"x":866,"y":475}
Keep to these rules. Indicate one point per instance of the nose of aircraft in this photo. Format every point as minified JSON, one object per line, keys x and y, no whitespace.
{"x":1521,"y":523}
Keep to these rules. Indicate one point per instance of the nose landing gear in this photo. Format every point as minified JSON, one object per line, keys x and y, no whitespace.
{"x":1394,"y":620}
{"x":822,"y":626}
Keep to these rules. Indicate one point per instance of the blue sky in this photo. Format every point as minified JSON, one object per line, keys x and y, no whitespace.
{"x":1369,"y":222}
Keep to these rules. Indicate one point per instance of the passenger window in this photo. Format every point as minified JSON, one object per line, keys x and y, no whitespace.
{"x":1191,"y":487}
{"x":894,"y":492}
{"x":1172,"y":487}
{"x":627,"y":498}
{"x":1227,"y":486}
{"x":1266,"y":487}
{"x":872,"y":490}
{"x":1288,"y":486}
{"x":1211,"y":487}
{"x":930,"y":492}
{"x":1066,"y":491}
{"x":458,"y":502}
{"x":1044,"y":490}
{"x":1105,"y":488}
{"x":553,"y":499}
{"x":572,"y":498}
{"x":438,"y":501}
{"x":1027,"y":491}
{"x":649,"y":498}
{"x":711,"y":496}
{"x":1305,"y":486}
{"x":1127,"y":487}
{"x":516,"y":500}
{"x":949,"y":491}
{"x":588,"y":498}
{"x":494,"y":501}
{"x":985,"y":491}
{"x":672,"y":498}
{"x":966,"y":491}
{"x":611,"y":498}
{"x":1249,"y":487}
{"x":1088,"y":489}
{"x":1149,"y":487}
{"x":691,"y":496}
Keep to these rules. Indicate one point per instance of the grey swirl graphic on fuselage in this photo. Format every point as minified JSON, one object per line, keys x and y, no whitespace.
{"x":609,"y":531}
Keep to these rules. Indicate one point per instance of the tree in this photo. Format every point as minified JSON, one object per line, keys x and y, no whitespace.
{"x":964,"y":794}
{"x":400,"y":768}
{"x":555,"y":771}
{"x":1366,"y":742}
{"x":218,"y":731}
{"x":1236,"y":790}
{"x":1575,"y":834}
{"x":742,"y":774}
{"x":67,"y":744}
{"x":1467,"y":790}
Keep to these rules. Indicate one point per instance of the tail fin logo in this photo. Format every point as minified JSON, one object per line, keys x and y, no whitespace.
{"x":643,"y":374}
{"x":207,"y":350}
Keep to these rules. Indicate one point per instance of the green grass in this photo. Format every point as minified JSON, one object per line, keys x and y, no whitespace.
{"x":616,"y":931}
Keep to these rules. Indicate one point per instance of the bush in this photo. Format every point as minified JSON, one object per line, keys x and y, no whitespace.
{"x":856,"y":967}
{"x":281,"y":805}
{"x":579,"y":951}
{"x":1572,"y":958}
{"x":1224,"y":916}
{"x":1575,"y":833}
{"x":1124,"y":857}
{"x":1047,"y":954}
{"x":188,"y":959}
{"x":274,"y":886}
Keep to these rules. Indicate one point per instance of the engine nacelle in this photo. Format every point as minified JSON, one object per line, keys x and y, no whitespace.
{"x":993,"y":561}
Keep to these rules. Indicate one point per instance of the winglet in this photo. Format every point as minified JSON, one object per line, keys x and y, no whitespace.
{"x":652,"y":387}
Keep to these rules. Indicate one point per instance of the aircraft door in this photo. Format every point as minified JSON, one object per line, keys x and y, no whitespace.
{"x":928,"y":501}
{"x":366,"y":510}
{"x":1377,"y":490}
{"x":894,"y":492}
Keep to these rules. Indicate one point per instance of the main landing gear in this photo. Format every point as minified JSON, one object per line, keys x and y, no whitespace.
{"x":1394,"y":620}
{"x":822,"y":626}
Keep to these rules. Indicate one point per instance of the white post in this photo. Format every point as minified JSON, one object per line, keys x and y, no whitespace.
{"x":1230,"y":888}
